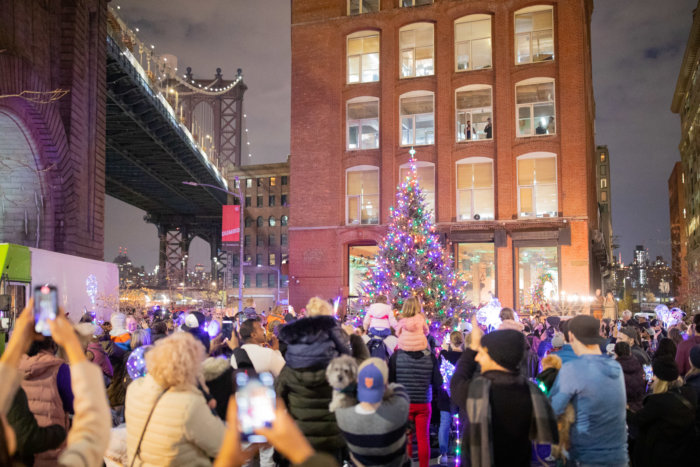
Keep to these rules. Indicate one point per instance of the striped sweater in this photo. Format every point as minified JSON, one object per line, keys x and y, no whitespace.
{"x":377,"y":438}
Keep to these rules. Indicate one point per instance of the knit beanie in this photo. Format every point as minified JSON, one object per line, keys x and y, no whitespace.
{"x":695,"y":356}
{"x":505,"y":347}
{"x":665,"y":368}
{"x":118,"y":321}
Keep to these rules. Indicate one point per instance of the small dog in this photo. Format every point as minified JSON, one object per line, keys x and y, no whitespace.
{"x":564,"y":423}
{"x":342,"y":377}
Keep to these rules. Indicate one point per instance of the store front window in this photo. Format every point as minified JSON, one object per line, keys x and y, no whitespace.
{"x":538,"y":275}
{"x":360,"y":260}
{"x":477,"y":263}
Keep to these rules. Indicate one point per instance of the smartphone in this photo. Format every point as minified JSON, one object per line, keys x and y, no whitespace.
{"x":256,"y":401}
{"x":648,"y":372}
{"x":227,"y":328}
{"x":45,"y":308}
{"x":619,"y":325}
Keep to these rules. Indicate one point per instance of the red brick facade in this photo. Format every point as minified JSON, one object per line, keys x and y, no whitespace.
{"x":319,"y":236}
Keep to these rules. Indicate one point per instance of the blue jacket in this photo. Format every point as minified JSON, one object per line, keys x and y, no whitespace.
{"x":313,"y":342}
{"x":566,"y":353}
{"x":595,"y":386}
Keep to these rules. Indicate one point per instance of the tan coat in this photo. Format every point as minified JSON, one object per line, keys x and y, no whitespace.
{"x":182,"y":430}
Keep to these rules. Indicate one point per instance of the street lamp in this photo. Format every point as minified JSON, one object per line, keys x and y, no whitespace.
{"x":241,"y":199}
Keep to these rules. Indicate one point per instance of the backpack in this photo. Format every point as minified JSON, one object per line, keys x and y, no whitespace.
{"x":245,"y":365}
{"x":377,"y":348}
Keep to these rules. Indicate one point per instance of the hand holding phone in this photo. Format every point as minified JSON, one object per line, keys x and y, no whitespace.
{"x":256,"y":402}
{"x":45,"y":308}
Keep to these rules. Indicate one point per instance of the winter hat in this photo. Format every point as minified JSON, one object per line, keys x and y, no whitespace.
{"x":695,"y":356}
{"x":193,"y":321}
{"x":372,"y":376}
{"x":630,"y":332}
{"x":118,"y":321}
{"x":585,"y":328}
{"x":558,"y":341}
{"x":665,"y":368}
{"x":554,"y":321}
{"x":505,"y":347}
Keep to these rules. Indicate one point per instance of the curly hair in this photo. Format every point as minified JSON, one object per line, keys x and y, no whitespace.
{"x":318,"y":307}
{"x":176,"y":360}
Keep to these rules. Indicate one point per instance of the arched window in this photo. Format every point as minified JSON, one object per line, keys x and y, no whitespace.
{"x":416,"y":44}
{"x":284,"y":220}
{"x":473,"y":42}
{"x":537,"y":185}
{"x":534,"y":34}
{"x":535,"y":107}
{"x":272,"y":221}
{"x":248,"y":222}
{"x":362,"y":195}
{"x":475,"y":195}
{"x":363,"y":57}
{"x":474,"y":109}
{"x":416,"y":111}
{"x":260,"y":221}
{"x":363,"y":123}
{"x":426,"y":180}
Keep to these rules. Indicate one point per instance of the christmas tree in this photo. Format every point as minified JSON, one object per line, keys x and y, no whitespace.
{"x":411,"y":261}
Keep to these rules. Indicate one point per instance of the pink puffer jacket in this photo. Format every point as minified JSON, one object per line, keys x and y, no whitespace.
{"x":411,"y":333}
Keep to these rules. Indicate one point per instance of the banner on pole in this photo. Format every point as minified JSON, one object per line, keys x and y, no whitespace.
{"x":231,"y":224}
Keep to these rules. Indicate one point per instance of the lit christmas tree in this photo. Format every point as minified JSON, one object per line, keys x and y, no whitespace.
{"x":411,"y":260}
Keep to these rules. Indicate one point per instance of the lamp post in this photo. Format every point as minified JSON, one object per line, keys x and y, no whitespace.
{"x":241,"y":201}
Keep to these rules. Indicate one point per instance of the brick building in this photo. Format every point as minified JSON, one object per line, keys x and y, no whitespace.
{"x":679,"y":236}
{"x":266,"y":238}
{"x":497,"y":99}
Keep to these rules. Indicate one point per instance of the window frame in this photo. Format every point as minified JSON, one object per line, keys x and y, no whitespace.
{"x":259,"y":222}
{"x":414,"y":142}
{"x":360,"y":123}
{"x":284,"y":240}
{"x":366,"y":33}
{"x":284,"y":220}
{"x":537,"y":155}
{"x":259,"y":280}
{"x":471,"y":111}
{"x":524,"y":11}
{"x":258,"y":259}
{"x":473,"y":19}
{"x":362,"y":168}
{"x":458,"y":191}
{"x":272,"y":221}
{"x":413,"y":3}
{"x":272,"y":259}
{"x":414,"y":27}
{"x":361,"y":12}
{"x":271,"y":200}
{"x":531,"y":106}
{"x":259,"y":202}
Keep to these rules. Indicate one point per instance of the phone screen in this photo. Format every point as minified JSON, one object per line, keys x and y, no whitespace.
{"x":256,"y":405}
{"x":227,"y":328}
{"x":648,"y":372}
{"x":45,"y":308}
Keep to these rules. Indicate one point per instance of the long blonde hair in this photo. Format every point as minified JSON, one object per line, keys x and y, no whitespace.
{"x":411,"y":307}
{"x":660,"y":386}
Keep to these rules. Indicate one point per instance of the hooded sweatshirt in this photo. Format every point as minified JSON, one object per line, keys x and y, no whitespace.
{"x":379,"y":316}
{"x":411,"y":332}
{"x":595,"y":386}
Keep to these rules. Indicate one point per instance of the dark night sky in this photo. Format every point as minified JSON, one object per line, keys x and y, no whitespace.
{"x":637,"y":50}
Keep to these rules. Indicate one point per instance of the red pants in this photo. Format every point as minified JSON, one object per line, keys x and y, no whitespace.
{"x":420,"y":415}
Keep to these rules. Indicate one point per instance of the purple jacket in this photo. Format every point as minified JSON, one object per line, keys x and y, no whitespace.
{"x":101,"y":358}
{"x":683,"y":354}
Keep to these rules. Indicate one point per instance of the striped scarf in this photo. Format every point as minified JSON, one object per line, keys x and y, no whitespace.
{"x":543,"y":429}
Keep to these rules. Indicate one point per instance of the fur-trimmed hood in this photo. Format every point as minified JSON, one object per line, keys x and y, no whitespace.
{"x":308,"y":330}
{"x":213,"y":367}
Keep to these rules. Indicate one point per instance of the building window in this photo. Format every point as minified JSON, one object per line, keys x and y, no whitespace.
{"x":249,"y":183}
{"x":473,"y":42}
{"x":604,"y":196}
{"x":273,"y":181}
{"x":416,"y":43}
{"x":537,"y":185}
{"x":284,"y":179}
{"x":361,"y":258}
{"x":534,"y":99}
{"x":475,"y":195}
{"x":247,"y":280}
{"x":363,"y":57}
{"x":260,"y":241}
{"x":272,"y":280}
{"x":236,"y":183}
{"x":536,"y":265}
{"x":271,"y":200}
{"x":259,"y":202}
{"x":248,"y":260}
{"x":534,"y":35}
{"x":258,"y":259}
{"x":258,"y":280}
{"x":408,"y":3}
{"x":259,"y":182}
{"x":271,"y":240}
{"x":602,"y":158}
{"x":603,"y":182}
{"x":234,"y":282}
{"x":474,"y":113}
{"x":284,"y":220}
{"x":363,"y":123}
{"x":283,"y":240}
{"x":476,"y":261}
{"x":246,"y":240}
{"x":283,"y":200}
{"x":426,"y":180}
{"x":416,"y":110}
{"x":236,"y":260}
{"x":248,"y":203}
{"x":260,"y":221}
{"x":603,"y":170}
{"x":284,"y":280}
{"x":272,"y":259}
{"x":358,"y":7}
{"x":248,"y":222}
{"x":272,"y":221}
{"x":362,"y":195}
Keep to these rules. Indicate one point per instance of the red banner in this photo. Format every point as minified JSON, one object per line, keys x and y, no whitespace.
{"x":231,"y":223}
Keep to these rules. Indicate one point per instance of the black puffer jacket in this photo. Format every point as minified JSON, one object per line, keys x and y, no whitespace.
{"x":313,"y":342}
{"x":635,"y":384}
{"x":307,"y":395}
{"x":218,"y":374}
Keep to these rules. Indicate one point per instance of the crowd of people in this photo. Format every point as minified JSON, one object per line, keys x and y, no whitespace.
{"x":159,"y":388}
